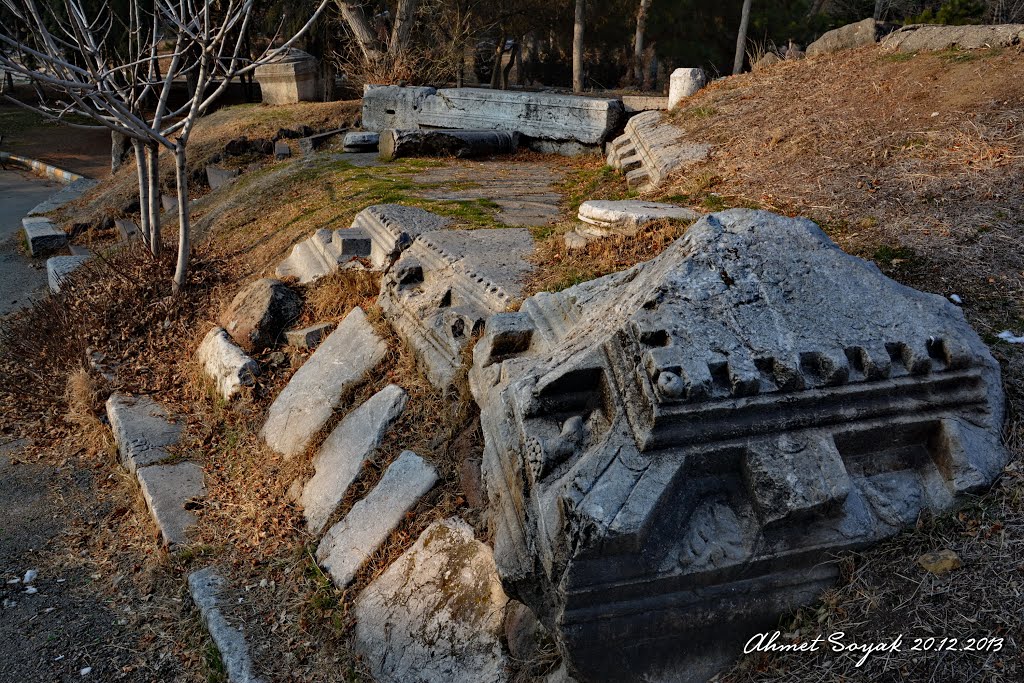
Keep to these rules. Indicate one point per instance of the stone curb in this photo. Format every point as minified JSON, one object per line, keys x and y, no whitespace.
{"x":41,"y":168}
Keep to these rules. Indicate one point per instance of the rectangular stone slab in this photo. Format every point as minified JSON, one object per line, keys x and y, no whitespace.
{"x":350,"y":542}
{"x":206,"y":587}
{"x":142,"y":430}
{"x":305,"y":405}
{"x":168,"y":489}
{"x":43,"y":236}
{"x":59,"y":267}
{"x":343,"y":453}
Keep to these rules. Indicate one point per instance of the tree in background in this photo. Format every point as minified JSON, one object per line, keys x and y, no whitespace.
{"x":741,"y":39}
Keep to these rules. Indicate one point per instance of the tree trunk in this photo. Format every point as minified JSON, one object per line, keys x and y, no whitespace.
{"x":815,"y":7}
{"x":405,"y":18}
{"x":741,"y":39}
{"x":184,"y":247}
{"x":516,"y":52}
{"x":153,"y":173}
{"x":638,"y":42}
{"x":577,"y":46}
{"x":143,"y":170}
{"x":499,"y":53}
{"x":364,"y":34}
{"x":879,"y":6}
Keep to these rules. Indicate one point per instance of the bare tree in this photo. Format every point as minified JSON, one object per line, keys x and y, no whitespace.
{"x":741,"y":38}
{"x":577,"y":45}
{"x":107,"y":66}
{"x":638,"y":41}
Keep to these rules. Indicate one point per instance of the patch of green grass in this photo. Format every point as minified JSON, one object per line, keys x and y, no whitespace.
{"x":478,"y":213}
{"x":699,"y":112}
{"x":714,"y":202}
{"x":581,"y":184}
{"x":215,"y":670}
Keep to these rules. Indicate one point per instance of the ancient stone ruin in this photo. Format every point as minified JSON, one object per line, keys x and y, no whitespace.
{"x":291,"y":78}
{"x":675,"y":453}
{"x":650,"y":150}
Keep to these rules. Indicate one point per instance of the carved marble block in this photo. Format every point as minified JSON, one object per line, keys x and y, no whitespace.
{"x":675,"y":453}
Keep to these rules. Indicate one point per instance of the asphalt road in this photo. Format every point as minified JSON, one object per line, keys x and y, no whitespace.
{"x":20,"y":276}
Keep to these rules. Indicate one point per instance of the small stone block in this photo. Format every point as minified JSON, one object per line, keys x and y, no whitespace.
{"x":59,"y":267}
{"x":282,"y":150}
{"x":142,"y":430}
{"x":308,"y":338}
{"x":169,"y":491}
{"x":126,"y":229}
{"x":218,"y":177}
{"x":226,"y":364}
{"x":43,"y":236}
{"x":206,"y":587}
{"x":361,"y":141}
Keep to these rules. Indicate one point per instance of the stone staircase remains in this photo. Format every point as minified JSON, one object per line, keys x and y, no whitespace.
{"x":325,"y":252}
{"x":143,"y":431}
{"x":651,"y":149}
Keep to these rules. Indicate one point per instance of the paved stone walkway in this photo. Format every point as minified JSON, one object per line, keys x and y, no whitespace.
{"x":20,"y":277}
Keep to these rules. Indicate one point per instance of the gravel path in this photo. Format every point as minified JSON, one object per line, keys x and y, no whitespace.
{"x":20,"y":276}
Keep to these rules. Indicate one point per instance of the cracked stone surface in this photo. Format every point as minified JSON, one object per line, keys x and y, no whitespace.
{"x":142,"y":429}
{"x":169,"y":491}
{"x":306,"y":403}
{"x":673,"y":453}
{"x":435,"y":615}
{"x":351,"y":542}
{"x":393,"y":227}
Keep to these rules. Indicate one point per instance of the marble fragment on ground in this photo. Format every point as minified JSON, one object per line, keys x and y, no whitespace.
{"x":392,"y":229}
{"x":226,"y":364}
{"x":443,"y":288}
{"x":435,"y":615}
{"x":170,"y":492}
{"x":325,"y":252}
{"x":650,"y":150}
{"x":604,"y":218}
{"x":207,"y":588}
{"x":42,"y":236}
{"x":353,"y":540}
{"x":343,"y":453}
{"x":308,"y":338}
{"x":547,"y":121}
{"x":142,"y":428}
{"x":310,"y":397}
{"x":259,"y":313}
{"x":721,"y":410}
{"x":58,"y":268}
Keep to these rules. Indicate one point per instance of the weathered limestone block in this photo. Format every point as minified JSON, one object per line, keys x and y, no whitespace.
{"x":674,"y":452}
{"x":351,"y":542}
{"x":142,"y":429}
{"x":42,"y":236}
{"x":603,"y":218}
{"x":308,"y":338}
{"x":396,"y":143}
{"x":443,"y":288}
{"x":59,"y":267}
{"x":634,"y":104}
{"x":226,"y":364}
{"x":934,"y":37}
{"x":361,"y":141}
{"x":291,"y":78}
{"x":306,"y":403}
{"x":217,"y":177}
{"x":343,"y":453}
{"x":650,"y":150}
{"x":859,"y":34}
{"x":325,"y":252}
{"x":169,"y":491}
{"x":537,"y":116}
{"x":435,"y":615}
{"x":392,"y":229}
{"x":126,"y":229}
{"x":683,"y":83}
{"x":206,"y":587}
{"x":260,"y":312}
{"x":169,"y":202}
{"x":312,"y":143}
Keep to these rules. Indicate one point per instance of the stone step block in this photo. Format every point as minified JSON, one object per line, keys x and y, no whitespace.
{"x":126,"y":229}
{"x":361,"y":141}
{"x":308,"y":338}
{"x":436,"y":613}
{"x":639,"y":179}
{"x":340,"y":246}
{"x":310,"y":144}
{"x":341,"y":457}
{"x":630,"y":163}
{"x":43,"y":236}
{"x":170,"y":492}
{"x":350,"y":542}
{"x":143,"y":430}
{"x":59,"y":267}
{"x":306,"y":263}
{"x":207,"y":588}
{"x":218,"y":177}
{"x":309,"y":399}
{"x":603,"y":218}
{"x":226,"y":364}
{"x":392,"y":229}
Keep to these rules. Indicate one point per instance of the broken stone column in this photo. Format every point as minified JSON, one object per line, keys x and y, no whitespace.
{"x":226,"y":364}
{"x":651,"y":149}
{"x":291,"y":78}
{"x":443,"y":288}
{"x":683,"y":83}
{"x":461,"y":144}
{"x":675,"y":453}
